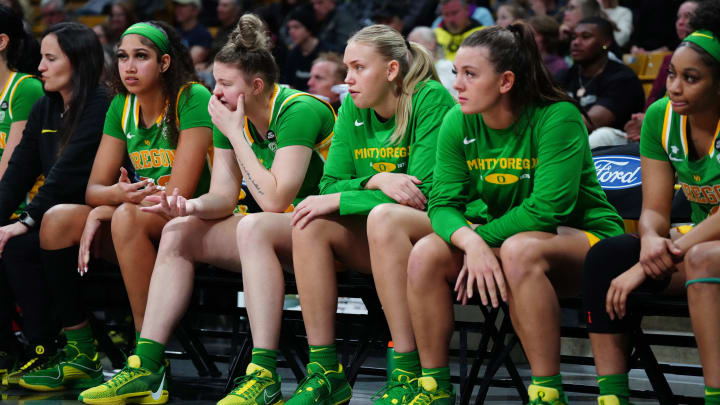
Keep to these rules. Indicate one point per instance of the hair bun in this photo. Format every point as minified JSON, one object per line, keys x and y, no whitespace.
{"x":250,"y":34}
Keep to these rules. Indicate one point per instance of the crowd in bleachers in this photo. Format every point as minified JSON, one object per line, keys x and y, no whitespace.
{"x":305,"y":134}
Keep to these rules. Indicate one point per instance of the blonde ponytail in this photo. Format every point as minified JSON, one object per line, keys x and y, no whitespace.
{"x":416,"y":65}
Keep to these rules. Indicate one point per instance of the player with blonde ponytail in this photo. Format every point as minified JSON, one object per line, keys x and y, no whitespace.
{"x":276,"y":140}
{"x":380,"y":168}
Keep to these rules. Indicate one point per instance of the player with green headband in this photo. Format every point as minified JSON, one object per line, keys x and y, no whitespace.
{"x":159,"y":122}
{"x":680,"y":136}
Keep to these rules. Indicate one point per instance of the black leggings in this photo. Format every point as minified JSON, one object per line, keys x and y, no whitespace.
{"x":606,"y":260}
{"x":6,"y":311}
{"x":60,"y":267}
{"x":23,"y":269}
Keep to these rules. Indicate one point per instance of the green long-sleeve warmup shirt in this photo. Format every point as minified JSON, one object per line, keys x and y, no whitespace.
{"x":360,"y":148}
{"x":535,"y":175}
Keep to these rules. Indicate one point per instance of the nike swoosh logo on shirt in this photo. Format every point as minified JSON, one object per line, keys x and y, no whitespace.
{"x":157,"y":394}
{"x":357,"y":123}
{"x":269,"y":400}
{"x":130,"y":136}
{"x":468,"y":141}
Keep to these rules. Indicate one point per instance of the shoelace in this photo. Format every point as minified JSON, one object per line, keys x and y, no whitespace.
{"x":124,"y":375}
{"x":421,"y":396}
{"x":539,"y":400}
{"x":389,"y":386}
{"x":38,"y":363}
{"x":253,"y":390}
{"x":311,"y":376}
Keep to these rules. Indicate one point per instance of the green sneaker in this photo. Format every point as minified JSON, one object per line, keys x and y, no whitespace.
{"x":325,"y":387}
{"x":133,"y":384}
{"x":399,"y":389}
{"x":540,"y":395}
{"x":38,"y":361}
{"x":428,"y":393}
{"x":77,"y":370}
{"x":256,"y":387}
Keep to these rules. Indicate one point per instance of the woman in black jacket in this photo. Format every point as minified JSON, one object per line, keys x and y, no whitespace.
{"x":58,"y":144}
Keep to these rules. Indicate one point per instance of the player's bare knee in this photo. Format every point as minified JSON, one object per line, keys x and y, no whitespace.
{"x":124,"y":220}
{"x":180,"y":234}
{"x":382,"y":224}
{"x":701,"y":261}
{"x":251,"y":229}
{"x":57,"y":222}
{"x":519,"y":257}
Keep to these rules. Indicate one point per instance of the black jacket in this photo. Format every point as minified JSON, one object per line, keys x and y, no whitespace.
{"x":66,"y":176}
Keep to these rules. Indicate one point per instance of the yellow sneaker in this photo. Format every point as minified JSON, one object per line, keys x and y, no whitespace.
{"x":540,"y":395}
{"x":256,"y":387}
{"x":428,"y":393}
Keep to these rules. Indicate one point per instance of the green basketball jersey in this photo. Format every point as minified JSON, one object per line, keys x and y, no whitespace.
{"x":150,"y":150}
{"x":17,"y":97}
{"x":361,"y":148}
{"x":664,"y":136}
{"x":535,"y":175}
{"x":296,"y":118}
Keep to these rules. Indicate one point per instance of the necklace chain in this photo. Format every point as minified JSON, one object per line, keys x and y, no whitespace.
{"x":581,"y":90}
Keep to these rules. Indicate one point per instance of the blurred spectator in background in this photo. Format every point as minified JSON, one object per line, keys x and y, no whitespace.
{"x":653,"y":25}
{"x":607,"y":90}
{"x":275,"y":16}
{"x":228,"y":14}
{"x":547,"y":38}
{"x":658,"y":91}
{"x":623,"y":19}
{"x":575,"y":11}
{"x":306,"y":47}
{"x":336,"y":24}
{"x":547,"y":7}
{"x":53,"y":12}
{"x":327,"y":72}
{"x":508,"y":13}
{"x":455,"y":26}
{"x":122,"y":15}
{"x":425,"y":36}
{"x":682,"y":28}
{"x":391,"y":13}
{"x":194,"y":35}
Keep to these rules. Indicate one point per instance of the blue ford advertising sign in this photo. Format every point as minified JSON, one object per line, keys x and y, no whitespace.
{"x":617,"y":171}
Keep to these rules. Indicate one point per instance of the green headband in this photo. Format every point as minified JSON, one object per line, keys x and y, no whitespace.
{"x":152,"y":33}
{"x":705,"y":40}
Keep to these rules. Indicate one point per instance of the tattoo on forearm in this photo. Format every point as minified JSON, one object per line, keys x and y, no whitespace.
{"x":249,"y":179}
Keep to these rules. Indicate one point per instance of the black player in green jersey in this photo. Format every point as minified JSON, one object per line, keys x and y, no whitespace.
{"x":276,"y":140}
{"x":374,"y":187}
{"x":680,"y":137}
{"x":158,"y":120}
{"x":515,"y":206}
{"x":19,"y":89}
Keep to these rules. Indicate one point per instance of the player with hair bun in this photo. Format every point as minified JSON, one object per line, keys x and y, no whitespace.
{"x":276,"y":140}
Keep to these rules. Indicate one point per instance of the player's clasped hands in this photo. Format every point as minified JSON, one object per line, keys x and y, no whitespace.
{"x":658,"y":256}
{"x":401,"y":187}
